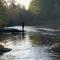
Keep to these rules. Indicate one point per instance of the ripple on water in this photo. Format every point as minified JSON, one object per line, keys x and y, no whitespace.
{"x":22,"y":49}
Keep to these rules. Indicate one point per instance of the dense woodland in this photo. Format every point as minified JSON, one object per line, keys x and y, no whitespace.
{"x":40,"y":13}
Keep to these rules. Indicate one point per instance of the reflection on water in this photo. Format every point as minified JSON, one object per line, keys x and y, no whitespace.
{"x":32,"y":47}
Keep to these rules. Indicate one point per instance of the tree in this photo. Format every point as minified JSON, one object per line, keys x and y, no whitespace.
{"x":46,"y":12}
{"x":3,"y":14}
{"x":35,"y":6}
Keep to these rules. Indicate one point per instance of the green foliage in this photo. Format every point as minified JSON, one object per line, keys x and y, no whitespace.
{"x":41,"y":12}
{"x":3,"y":14}
{"x":46,"y":6}
{"x":46,"y":12}
{"x":35,"y":6}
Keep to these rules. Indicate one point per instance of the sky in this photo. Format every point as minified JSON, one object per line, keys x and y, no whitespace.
{"x":25,"y":3}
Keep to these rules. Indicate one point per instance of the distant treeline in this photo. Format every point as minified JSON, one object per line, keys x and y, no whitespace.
{"x":40,"y":13}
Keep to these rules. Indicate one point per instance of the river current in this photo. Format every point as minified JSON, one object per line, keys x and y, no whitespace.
{"x":35,"y":45}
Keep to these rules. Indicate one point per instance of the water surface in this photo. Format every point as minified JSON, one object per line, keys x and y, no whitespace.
{"x":34,"y":46}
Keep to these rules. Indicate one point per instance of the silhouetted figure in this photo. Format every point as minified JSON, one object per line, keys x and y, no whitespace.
{"x":22,"y":26}
{"x":22,"y":29}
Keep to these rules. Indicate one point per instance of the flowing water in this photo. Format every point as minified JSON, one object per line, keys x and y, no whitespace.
{"x":35,"y":45}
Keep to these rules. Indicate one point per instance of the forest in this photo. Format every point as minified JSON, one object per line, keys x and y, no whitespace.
{"x":40,"y":13}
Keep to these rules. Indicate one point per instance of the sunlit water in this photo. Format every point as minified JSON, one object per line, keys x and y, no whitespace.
{"x":34,"y":46}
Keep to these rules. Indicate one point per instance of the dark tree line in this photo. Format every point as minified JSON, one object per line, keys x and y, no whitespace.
{"x":3,"y":14}
{"x":46,"y":12}
{"x":40,"y":13}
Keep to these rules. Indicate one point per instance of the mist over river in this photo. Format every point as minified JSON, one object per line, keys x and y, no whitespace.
{"x":37,"y":44}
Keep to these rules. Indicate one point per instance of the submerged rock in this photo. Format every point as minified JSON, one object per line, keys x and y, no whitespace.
{"x":3,"y":49}
{"x":56,"y":49}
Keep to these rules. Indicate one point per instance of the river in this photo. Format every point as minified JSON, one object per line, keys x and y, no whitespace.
{"x":34,"y":46}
